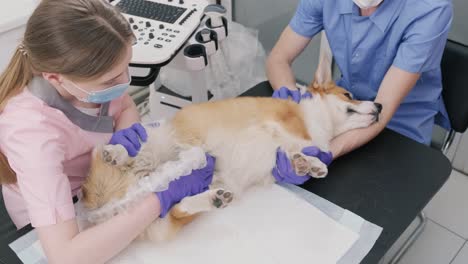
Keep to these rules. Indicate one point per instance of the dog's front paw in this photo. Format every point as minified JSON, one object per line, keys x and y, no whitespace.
{"x":115,"y":155}
{"x":306,"y":165}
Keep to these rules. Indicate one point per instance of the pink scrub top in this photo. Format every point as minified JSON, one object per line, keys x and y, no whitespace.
{"x":48,"y":142}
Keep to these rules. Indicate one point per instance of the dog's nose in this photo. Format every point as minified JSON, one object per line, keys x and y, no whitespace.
{"x":379,"y":107}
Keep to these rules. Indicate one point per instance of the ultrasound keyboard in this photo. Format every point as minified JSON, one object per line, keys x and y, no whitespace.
{"x":161,"y":27}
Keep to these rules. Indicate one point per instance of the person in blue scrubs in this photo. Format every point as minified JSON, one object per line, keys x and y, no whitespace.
{"x":388,"y":51}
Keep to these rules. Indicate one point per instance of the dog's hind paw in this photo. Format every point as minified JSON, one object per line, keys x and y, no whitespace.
{"x":204,"y":202}
{"x":222,"y":198}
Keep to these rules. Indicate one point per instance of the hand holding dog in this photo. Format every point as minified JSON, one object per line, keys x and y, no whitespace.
{"x":285,"y":93}
{"x":129,"y":138}
{"x":189,"y":185}
{"x":284,"y":171}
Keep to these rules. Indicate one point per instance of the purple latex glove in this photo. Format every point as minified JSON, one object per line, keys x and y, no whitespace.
{"x":306,"y":95}
{"x":129,"y":138}
{"x":189,"y":185}
{"x":285,"y":93}
{"x":284,"y":171}
{"x":325,"y":157}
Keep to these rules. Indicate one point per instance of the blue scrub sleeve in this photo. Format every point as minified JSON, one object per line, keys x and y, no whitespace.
{"x":308,"y":19}
{"x":424,"y":41}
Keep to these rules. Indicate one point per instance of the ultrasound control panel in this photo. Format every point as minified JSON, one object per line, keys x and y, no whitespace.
{"x":161,"y":27}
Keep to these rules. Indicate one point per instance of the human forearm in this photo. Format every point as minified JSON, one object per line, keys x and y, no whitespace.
{"x":280,"y":73}
{"x":279,"y":62}
{"x":129,"y":114}
{"x":354,"y":139}
{"x":100,"y":243}
{"x":395,"y":86}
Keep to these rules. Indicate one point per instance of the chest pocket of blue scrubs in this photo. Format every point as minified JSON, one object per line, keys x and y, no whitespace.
{"x":382,"y":63}
{"x":368,"y":58}
{"x":378,"y":71}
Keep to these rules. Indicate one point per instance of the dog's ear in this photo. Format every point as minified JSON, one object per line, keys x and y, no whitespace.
{"x":323,"y":75}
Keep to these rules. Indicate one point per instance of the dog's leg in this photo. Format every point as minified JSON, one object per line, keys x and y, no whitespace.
{"x":148,"y":159}
{"x":164,"y":229}
{"x":306,"y":165}
{"x":207,"y":201}
{"x":186,"y":211}
{"x":159,"y":148}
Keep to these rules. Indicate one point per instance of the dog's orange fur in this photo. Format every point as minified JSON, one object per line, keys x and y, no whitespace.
{"x":331,"y":88}
{"x":104,"y":182}
{"x":193,"y":123}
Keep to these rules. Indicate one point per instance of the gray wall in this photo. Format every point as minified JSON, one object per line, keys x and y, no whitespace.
{"x":270,"y":17}
{"x":459,"y":31}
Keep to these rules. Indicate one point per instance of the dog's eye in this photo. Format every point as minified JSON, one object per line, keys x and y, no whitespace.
{"x":350,"y":97}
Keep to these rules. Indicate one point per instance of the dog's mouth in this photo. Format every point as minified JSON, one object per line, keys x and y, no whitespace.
{"x":375,"y":111}
{"x":376,"y":116}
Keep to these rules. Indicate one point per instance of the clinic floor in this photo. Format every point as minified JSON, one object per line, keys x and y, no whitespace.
{"x":444,"y":240}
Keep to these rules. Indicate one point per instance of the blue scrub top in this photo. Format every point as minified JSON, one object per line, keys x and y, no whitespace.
{"x":408,"y":34}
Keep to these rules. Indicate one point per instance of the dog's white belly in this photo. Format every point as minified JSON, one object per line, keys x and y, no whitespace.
{"x":246,"y":158}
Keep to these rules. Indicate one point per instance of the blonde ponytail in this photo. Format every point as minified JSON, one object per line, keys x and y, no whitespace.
{"x":12,"y":81}
{"x":16,"y":76}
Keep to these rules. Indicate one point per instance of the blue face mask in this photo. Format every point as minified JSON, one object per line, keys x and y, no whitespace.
{"x":102,"y":96}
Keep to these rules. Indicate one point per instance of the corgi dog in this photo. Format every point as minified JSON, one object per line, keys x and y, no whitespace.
{"x":243,"y":134}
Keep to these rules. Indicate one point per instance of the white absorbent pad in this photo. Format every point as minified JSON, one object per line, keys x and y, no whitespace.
{"x":267,"y":225}
{"x":368,"y":232}
{"x":272,"y":225}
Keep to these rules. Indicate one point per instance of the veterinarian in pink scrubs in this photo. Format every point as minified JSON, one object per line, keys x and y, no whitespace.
{"x":63,"y":93}
{"x":387,"y":50}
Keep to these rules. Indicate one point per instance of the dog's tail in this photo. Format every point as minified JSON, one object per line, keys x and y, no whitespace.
{"x":323,"y":74}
